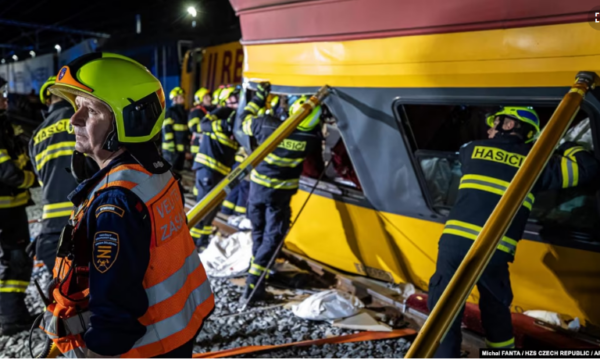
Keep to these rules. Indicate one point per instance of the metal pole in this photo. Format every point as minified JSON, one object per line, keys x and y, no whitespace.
{"x":472,"y":266}
{"x":218,"y":193}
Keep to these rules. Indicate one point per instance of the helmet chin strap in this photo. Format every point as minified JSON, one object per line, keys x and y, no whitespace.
{"x":111,"y":143}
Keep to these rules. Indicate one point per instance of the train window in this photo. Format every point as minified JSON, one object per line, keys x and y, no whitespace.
{"x":435,"y":133}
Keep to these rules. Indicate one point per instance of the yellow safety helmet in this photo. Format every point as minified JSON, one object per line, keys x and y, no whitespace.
{"x":44,"y":92}
{"x":175,"y":92}
{"x":216,"y":94}
{"x":312,"y":119}
{"x":134,"y":95}
{"x":227,"y":92}
{"x":199,"y":95}
{"x":521,"y":113}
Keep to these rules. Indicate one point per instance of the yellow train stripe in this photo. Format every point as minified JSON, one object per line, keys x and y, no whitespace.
{"x":517,"y":57}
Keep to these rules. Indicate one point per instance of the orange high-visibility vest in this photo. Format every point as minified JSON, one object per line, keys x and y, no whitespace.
{"x":178,"y":291}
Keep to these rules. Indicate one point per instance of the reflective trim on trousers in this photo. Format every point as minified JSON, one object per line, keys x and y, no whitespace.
{"x":228,"y":204}
{"x":509,"y":344}
{"x":18,"y":286}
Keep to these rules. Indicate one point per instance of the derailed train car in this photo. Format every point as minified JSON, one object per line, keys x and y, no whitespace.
{"x":412,"y":82}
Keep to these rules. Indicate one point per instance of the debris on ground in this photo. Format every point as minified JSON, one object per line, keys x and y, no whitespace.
{"x":361,"y":321}
{"x":328,"y":305}
{"x":277,"y":325}
{"x":227,"y":256}
{"x":556,"y":319}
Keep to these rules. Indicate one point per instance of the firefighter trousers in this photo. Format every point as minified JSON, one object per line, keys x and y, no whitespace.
{"x":206,"y":180}
{"x":15,"y":264}
{"x":495,"y":297}
{"x":236,"y":201}
{"x":270,"y":218}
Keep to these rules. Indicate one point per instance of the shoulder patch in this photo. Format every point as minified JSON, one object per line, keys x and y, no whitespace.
{"x":105,"y":250}
{"x":110,"y":208}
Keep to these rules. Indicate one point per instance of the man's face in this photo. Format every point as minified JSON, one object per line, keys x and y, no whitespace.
{"x":179,"y":100}
{"x":232,"y":102}
{"x":507,"y":125}
{"x":207,"y":100}
{"x":92,"y":122}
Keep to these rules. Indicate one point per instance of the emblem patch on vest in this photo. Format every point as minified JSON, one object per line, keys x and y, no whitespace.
{"x":110,"y":208}
{"x":106,"y":250}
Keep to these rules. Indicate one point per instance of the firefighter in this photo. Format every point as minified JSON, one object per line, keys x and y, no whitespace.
{"x":274,"y":181}
{"x":488,"y":166}
{"x":175,"y":131}
{"x":15,"y":265}
{"x":128,"y":281}
{"x":236,"y":202}
{"x":203,"y":106}
{"x":216,"y":156}
{"x":50,"y":149}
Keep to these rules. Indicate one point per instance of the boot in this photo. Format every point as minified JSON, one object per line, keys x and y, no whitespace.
{"x":259,"y":295}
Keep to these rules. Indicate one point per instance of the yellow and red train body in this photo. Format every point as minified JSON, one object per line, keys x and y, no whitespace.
{"x":376,"y":53}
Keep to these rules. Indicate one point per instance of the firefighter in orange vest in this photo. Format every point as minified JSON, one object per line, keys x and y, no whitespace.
{"x":127,"y":281}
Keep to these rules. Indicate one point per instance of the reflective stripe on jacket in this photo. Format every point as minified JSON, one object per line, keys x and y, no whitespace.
{"x":51,"y":148}
{"x":488,"y":167}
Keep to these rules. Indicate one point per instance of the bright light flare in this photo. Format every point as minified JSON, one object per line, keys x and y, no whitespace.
{"x":192,"y":11}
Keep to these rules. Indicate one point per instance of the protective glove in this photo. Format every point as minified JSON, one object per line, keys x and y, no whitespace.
{"x":262,"y":91}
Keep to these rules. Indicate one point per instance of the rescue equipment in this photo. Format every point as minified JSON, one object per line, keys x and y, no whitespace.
{"x":471,"y":268}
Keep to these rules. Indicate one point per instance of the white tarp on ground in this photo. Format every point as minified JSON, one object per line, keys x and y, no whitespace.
{"x":229,"y":256}
{"x":328,"y":305}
